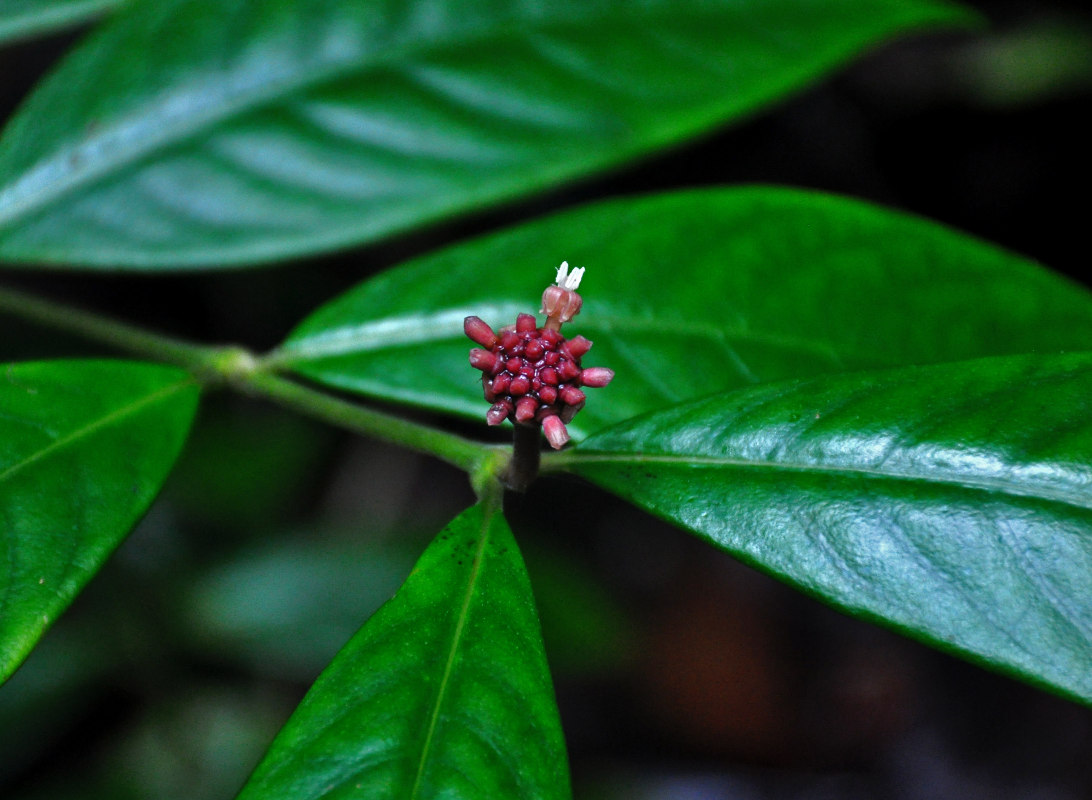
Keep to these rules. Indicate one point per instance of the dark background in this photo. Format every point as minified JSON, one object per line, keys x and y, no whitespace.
{"x":680,"y":673}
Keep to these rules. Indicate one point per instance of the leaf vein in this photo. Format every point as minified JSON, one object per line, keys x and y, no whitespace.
{"x":1072,"y":497}
{"x":449,"y":664}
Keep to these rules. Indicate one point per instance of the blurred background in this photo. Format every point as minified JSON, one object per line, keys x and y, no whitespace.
{"x":680,"y":674}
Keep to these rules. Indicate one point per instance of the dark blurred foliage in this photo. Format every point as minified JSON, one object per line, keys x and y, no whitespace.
{"x":680,"y":673}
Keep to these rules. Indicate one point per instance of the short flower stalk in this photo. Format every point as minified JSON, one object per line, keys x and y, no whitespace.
{"x":533,"y":376}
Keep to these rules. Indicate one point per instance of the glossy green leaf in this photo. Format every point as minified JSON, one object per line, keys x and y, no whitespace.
{"x":443,"y":693}
{"x":22,"y":19}
{"x":953,"y":501}
{"x":696,"y":292}
{"x":84,"y":448}
{"x":292,"y":126}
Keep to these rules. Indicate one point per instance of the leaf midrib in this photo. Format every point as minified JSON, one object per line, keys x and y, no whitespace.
{"x":575,"y":459}
{"x":74,"y":437}
{"x":456,"y":638}
{"x":421,"y":329}
{"x":90,"y":429}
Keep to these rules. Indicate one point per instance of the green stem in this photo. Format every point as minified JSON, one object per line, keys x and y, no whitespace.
{"x":238,"y":368}
{"x":128,"y":338}
{"x":462,"y":453}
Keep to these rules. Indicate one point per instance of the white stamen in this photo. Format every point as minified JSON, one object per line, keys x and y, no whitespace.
{"x":567,"y":280}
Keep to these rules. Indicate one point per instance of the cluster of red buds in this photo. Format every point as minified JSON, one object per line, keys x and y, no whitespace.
{"x":531,"y":374}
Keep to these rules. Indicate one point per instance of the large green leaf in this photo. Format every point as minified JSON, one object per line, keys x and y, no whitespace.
{"x":210,"y":132}
{"x":696,"y":292}
{"x":443,"y":693}
{"x":21,"y":19}
{"x":952,"y":501}
{"x":84,"y":447}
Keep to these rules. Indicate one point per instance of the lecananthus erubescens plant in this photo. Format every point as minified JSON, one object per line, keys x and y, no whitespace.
{"x":916,"y":457}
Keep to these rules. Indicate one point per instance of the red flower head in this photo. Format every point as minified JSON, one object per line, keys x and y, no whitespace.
{"x":531,"y":374}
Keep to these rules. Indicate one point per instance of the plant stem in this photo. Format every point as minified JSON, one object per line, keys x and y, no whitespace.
{"x":124,"y":337}
{"x":241,"y":370}
{"x":462,"y":453}
{"x":526,"y":453}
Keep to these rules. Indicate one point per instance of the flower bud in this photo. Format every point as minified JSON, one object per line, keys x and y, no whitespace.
{"x":525,"y":409}
{"x":578,"y":346}
{"x":533,"y":350}
{"x":568,"y":370}
{"x":482,"y":359}
{"x":572,"y":396}
{"x":480,"y":332}
{"x":556,"y":433}
{"x":498,"y":413}
{"x":596,"y":377}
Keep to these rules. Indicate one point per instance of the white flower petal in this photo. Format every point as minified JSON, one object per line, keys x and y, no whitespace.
{"x":572,"y":282}
{"x":562,"y":271}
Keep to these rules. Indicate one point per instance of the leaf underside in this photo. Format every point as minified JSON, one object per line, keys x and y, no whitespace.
{"x":294,"y":126}
{"x":84,"y":448}
{"x":953,"y":502}
{"x":444,"y":692}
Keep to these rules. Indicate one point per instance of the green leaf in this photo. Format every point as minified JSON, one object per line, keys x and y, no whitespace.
{"x":292,"y":126}
{"x":22,"y":19}
{"x":953,"y":502}
{"x":443,"y":693}
{"x":84,"y":448}
{"x":697,"y":292}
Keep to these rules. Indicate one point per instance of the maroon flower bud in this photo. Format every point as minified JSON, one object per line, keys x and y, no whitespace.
{"x":498,"y":413}
{"x":572,"y":396}
{"x":534,"y":350}
{"x":567,"y":369}
{"x":548,"y":395}
{"x":578,"y":346}
{"x":482,"y":359}
{"x":596,"y":377}
{"x":525,"y":323}
{"x":520,"y":386}
{"x":525,"y":409}
{"x":556,"y":433}
{"x":481,"y":333}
